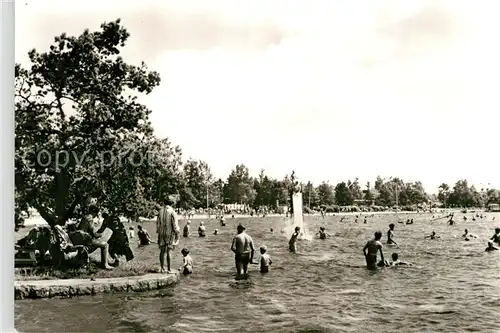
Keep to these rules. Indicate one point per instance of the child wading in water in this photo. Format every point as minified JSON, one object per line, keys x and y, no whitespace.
{"x":187,"y":262}
{"x":265,"y":260}
{"x":322,"y":233}
{"x":293,"y":240}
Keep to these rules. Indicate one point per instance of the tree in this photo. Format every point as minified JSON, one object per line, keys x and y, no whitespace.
{"x":73,"y":99}
{"x":368,"y":195}
{"x":444,"y":193}
{"x":310,"y":195}
{"x":343,"y":195}
{"x":325,"y":194}
{"x":239,"y":186}
{"x":199,"y":180}
{"x":355,"y":189}
{"x":264,"y":186}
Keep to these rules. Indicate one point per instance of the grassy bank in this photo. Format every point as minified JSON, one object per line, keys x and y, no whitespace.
{"x":133,"y":268}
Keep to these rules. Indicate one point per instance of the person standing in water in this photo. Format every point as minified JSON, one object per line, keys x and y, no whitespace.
{"x":244,"y":251}
{"x":168,"y":230}
{"x":293,"y":240}
{"x":265,"y":260}
{"x":201,"y":229}
{"x":496,"y":237}
{"x":186,"y":232}
{"x":371,"y":249}
{"x":322,"y":233}
{"x":390,"y":235}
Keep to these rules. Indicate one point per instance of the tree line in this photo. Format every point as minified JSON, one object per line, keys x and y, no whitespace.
{"x":80,"y":97}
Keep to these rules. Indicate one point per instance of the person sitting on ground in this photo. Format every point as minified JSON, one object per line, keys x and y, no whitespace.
{"x":118,"y":242}
{"x":397,"y":262}
{"x":390,"y":235}
{"x":496,"y":237}
{"x":187,"y":262}
{"x":265,"y":260}
{"x":201,"y":229}
{"x":186,"y":232}
{"x":371,"y":249}
{"x":292,"y":244}
{"x":216,"y":231}
{"x":322,"y":233}
{"x":244,"y":251}
{"x":490,"y":247}
{"x":86,"y":225}
{"x":433,"y":235}
{"x":450,"y":221}
{"x":143,"y":235}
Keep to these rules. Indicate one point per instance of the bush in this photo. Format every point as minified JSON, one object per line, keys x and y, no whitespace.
{"x":308,"y":210}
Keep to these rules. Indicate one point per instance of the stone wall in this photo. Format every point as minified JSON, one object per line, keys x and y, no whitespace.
{"x":81,"y":287}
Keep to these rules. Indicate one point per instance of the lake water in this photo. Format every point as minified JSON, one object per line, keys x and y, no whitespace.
{"x":454,"y":287}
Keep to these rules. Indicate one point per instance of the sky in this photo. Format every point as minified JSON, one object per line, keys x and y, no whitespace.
{"x":331,"y":89}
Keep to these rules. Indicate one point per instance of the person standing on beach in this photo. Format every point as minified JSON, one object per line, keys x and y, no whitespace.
{"x":243,"y":249}
{"x":168,"y":230}
{"x":373,"y":246}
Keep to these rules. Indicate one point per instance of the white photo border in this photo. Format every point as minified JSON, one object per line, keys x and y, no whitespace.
{"x":7,"y":152}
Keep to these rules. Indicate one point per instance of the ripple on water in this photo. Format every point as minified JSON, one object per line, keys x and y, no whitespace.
{"x":453,"y":287}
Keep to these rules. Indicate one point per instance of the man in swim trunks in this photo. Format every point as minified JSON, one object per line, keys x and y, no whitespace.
{"x":390,"y":235}
{"x":373,"y":246}
{"x":243,"y":250}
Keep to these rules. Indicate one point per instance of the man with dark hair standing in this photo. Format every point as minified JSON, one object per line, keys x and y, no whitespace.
{"x":371,"y":249}
{"x":243,"y":251}
{"x":168,"y":230}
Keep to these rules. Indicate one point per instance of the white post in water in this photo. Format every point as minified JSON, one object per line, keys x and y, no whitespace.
{"x":298,"y":219}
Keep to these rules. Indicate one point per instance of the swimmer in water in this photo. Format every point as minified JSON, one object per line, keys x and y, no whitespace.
{"x":390,"y":235}
{"x":187,"y":262}
{"x":293,"y":240}
{"x":409,"y":222}
{"x":265,"y":260}
{"x":186,"y":232}
{"x":496,"y":237}
{"x":272,"y":231}
{"x":243,"y":249}
{"x":201,"y":229}
{"x":371,"y":249}
{"x":490,"y":247}
{"x":432,"y":236}
{"x":397,"y":262}
{"x":467,"y":236}
{"x":322,"y":233}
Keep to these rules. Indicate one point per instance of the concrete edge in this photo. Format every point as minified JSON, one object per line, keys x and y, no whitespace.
{"x":30,"y":289}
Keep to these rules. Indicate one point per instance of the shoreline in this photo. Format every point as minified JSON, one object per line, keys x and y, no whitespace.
{"x":39,"y":221}
{"x":65,"y":288}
